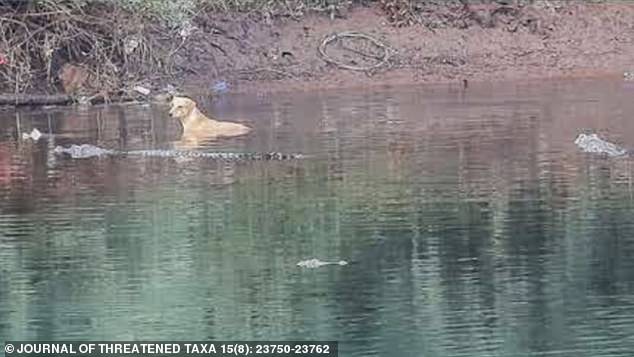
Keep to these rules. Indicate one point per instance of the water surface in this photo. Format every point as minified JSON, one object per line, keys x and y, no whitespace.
{"x":472,"y":224}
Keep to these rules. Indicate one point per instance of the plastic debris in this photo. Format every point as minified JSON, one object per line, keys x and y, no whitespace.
{"x":34,"y":134}
{"x":170,"y":89}
{"x":83,"y":100}
{"x":591,"y":143}
{"x":220,"y":87}
{"x":130,"y":44}
{"x":186,"y":30}
{"x":141,"y":90}
{"x":316,"y":263}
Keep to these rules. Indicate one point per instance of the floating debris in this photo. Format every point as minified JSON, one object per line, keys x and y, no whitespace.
{"x":593,"y":144}
{"x":316,"y":263}
{"x":34,"y":134}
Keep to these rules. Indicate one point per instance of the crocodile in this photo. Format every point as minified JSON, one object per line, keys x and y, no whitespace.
{"x":87,"y":151}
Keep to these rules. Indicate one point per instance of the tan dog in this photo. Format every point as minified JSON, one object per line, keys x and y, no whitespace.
{"x":197,"y":127}
{"x":73,"y":78}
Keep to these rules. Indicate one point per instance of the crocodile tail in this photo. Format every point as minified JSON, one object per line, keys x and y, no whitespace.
{"x":234,"y":156}
{"x":279,"y":156}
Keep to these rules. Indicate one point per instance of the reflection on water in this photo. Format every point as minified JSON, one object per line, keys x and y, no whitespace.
{"x":471,"y":224}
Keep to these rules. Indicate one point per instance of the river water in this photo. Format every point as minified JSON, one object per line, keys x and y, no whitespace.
{"x":471,"y":223}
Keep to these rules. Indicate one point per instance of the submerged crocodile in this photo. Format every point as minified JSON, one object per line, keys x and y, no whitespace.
{"x":86,"y":151}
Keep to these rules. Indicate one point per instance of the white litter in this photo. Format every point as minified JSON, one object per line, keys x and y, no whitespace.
{"x":34,"y":134}
{"x":316,"y":263}
{"x":141,"y":90}
{"x":591,"y":143}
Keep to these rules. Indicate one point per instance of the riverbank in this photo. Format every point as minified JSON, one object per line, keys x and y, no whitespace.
{"x":361,"y":44}
{"x":586,"y":40}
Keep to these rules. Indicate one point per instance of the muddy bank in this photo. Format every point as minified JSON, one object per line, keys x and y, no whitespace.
{"x":580,"y":40}
{"x":381,"y":42}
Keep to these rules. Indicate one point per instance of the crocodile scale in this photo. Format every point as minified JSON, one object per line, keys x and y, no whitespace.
{"x":86,"y":151}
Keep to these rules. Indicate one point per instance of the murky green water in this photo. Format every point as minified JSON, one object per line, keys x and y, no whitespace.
{"x":472,"y":225}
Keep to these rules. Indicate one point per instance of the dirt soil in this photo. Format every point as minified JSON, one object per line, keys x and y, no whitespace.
{"x":580,"y":39}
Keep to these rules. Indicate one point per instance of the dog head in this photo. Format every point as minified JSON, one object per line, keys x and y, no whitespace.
{"x":181,"y":107}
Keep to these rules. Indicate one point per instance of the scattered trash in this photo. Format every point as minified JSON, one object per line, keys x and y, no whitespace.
{"x":83,"y":100}
{"x":593,"y":144}
{"x":628,"y":76}
{"x":3,"y":60}
{"x":316,"y":263}
{"x":141,"y":90}
{"x":186,"y":30}
{"x":130,"y":44}
{"x":220,"y":87}
{"x":171,"y":89}
{"x":34,"y":134}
